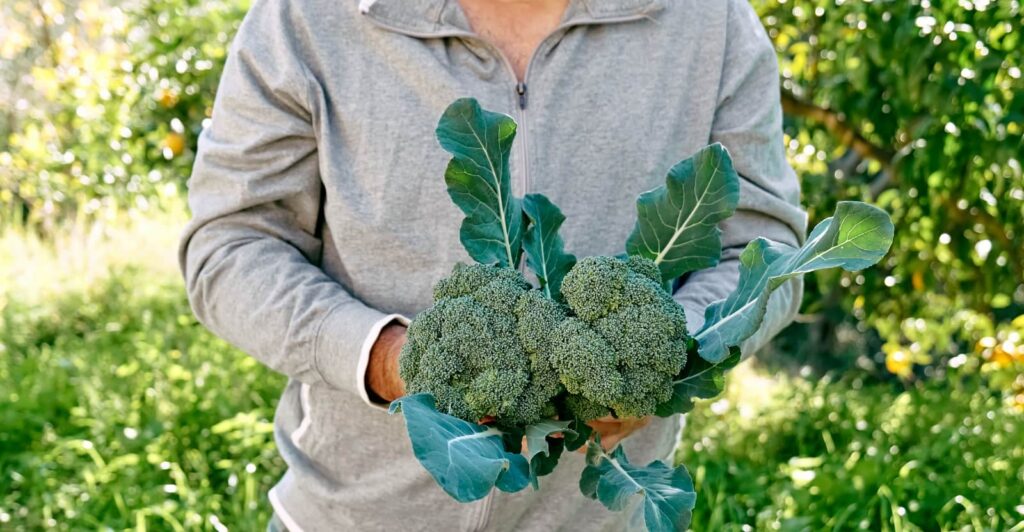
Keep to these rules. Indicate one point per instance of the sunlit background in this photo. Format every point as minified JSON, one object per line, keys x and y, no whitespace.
{"x":896,"y":401}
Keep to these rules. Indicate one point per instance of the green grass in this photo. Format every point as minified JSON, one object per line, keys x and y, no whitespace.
{"x":119,"y":411}
{"x":794,"y":454}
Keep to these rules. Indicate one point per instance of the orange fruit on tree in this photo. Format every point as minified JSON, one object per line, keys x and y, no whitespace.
{"x":167,"y":98}
{"x":174,"y":142}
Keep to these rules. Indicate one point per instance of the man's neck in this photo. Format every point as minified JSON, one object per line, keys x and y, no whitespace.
{"x":516,"y":27}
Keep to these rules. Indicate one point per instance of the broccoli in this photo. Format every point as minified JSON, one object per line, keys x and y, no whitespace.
{"x":602,"y":336}
{"x":625,"y":341}
{"x":483,"y":349}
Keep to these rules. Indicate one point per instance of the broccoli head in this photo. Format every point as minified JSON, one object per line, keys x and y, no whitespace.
{"x":483,"y":349}
{"x":625,"y":343}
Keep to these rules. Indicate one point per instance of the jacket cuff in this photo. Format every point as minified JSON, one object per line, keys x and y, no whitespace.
{"x":339,"y":342}
{"x":364,"y":356}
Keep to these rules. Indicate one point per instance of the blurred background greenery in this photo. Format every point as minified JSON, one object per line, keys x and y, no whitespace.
{"x":895,"y":402}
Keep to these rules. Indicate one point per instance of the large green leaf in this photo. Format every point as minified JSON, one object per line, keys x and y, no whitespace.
{"x":542,"y":450}
{"x":700,"y":379}
{"x":858,"y":235}
{"x":668,"y":494}
{"x":467,"y":460}
{"x":479,"y":183}
{"x":545,"y":253}
{"x":677,"y":224}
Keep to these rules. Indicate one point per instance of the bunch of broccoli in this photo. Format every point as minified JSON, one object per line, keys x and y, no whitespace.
{"x":493,"y":347}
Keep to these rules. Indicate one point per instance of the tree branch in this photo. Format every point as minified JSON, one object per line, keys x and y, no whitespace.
{"x":838,"y":126}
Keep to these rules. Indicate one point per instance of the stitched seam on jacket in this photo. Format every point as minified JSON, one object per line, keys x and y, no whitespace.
{"x":317,"y":341}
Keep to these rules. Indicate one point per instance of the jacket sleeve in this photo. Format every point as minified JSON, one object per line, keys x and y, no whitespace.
{"x":748,"y":122}
{"x":249,"y":255}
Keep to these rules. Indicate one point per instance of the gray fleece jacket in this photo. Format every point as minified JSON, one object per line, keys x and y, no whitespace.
{"x":320,"y":211}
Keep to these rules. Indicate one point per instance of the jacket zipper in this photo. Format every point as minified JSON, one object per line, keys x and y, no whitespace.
{"x":524,"y":141}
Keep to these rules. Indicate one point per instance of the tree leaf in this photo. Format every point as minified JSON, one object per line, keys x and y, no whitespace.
{"x":700,"y":379}
{"x":677,"y":224}
{"x":545,"y":253}
{"x":479,"y":183}
{"x":543,"y":451}
{"x":668,"y":494}
{"x":467,"y":460}
{"x":858,"y":235}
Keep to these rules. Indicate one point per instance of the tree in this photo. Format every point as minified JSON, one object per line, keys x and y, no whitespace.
{"x":104,"y":101}
{"x":917,"y":106}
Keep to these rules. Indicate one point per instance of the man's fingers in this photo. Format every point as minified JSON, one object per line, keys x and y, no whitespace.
{"x":610,"y":443}
{"x":606,"y":427}
{"x":613,"y":430}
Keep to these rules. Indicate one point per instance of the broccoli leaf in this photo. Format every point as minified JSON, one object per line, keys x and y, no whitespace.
{"x":543,"y":451}
{"x":545,"y":253}
{"x":677,"y":224}
{"x":700,"y":379}
{"x":577,"y":435}
{"x":668,"y":494}
{"x":479,"y":183}
{"x":855,"y":237}
{"x":467,"y":460}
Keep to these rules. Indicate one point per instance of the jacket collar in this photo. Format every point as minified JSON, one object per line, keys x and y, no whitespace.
{"x":439,"y":18}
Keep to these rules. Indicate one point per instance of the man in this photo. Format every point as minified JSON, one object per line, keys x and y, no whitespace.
{"x":321,"y":218}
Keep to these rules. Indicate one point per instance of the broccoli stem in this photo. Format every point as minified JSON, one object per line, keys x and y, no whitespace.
{"x":491,"y":431}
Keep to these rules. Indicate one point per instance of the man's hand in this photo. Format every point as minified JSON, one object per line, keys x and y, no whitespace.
{"x":613,"y":430}
{"x":382,"y":380}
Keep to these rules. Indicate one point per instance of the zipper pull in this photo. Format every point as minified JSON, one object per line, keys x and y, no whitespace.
{"x":521,"y":91}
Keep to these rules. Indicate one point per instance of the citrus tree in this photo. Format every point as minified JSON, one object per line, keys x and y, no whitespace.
{"x":917,"y":106}
{"x":104,"y":100}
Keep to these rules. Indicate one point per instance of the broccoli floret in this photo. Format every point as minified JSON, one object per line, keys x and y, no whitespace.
{"x":483,"y":349}
{"x":626,"y":342}
{"x":585,"y":362}
{"x":585,"y":409}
